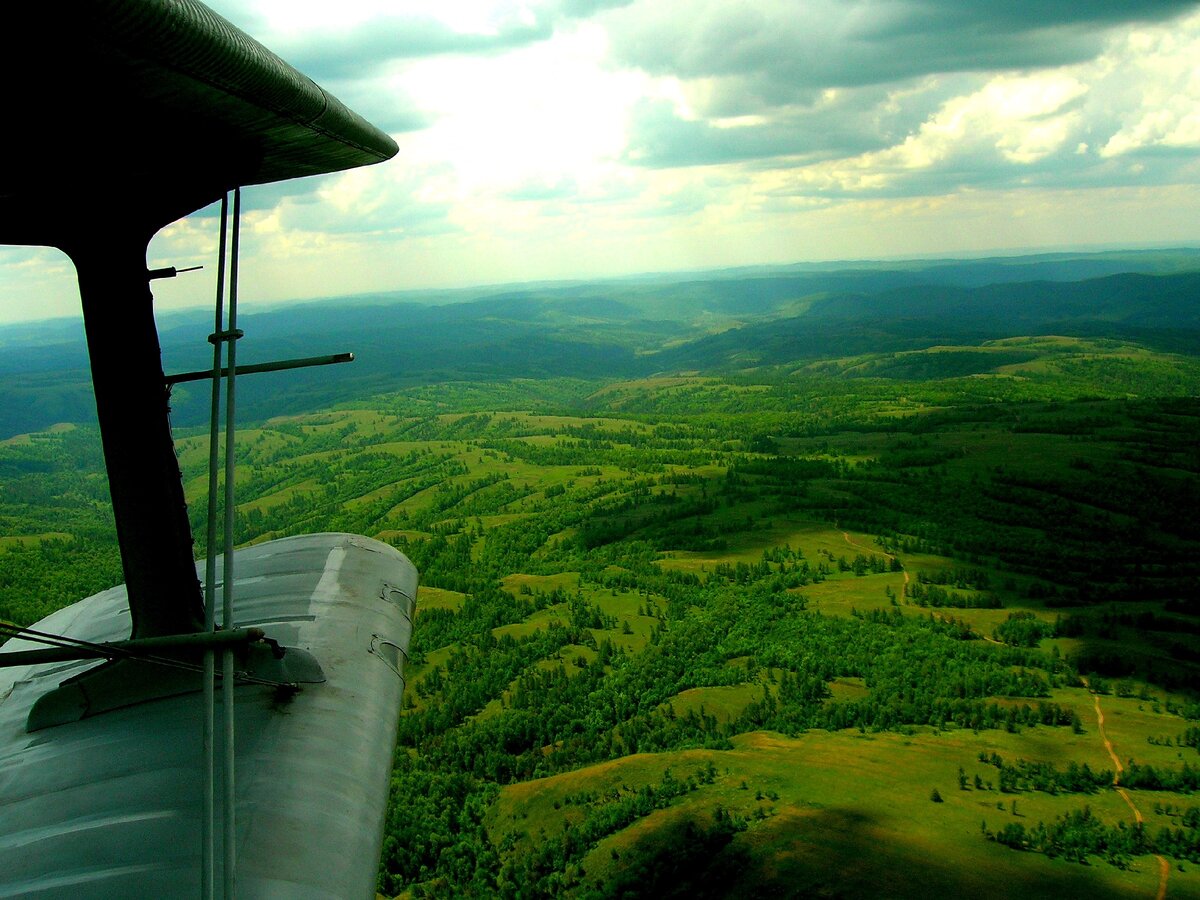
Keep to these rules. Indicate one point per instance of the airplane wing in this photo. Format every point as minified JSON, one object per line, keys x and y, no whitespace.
{"x":120,"y":116}
{"x":110,"y":805}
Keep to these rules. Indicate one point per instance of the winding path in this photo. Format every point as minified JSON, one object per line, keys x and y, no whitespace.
{"x":1164,"y":867}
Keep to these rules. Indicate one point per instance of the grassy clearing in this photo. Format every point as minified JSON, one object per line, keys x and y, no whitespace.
{"x":567,"y":581}
{"x":392,"y":534}
{"x":438,"y":598}
{"x":32,"y":540}
{"x":725,"y":702}
{"x":815,"y":541}
{"x":415,"y":673}
{"x":24,"y":440}
{"x":841,"y":596}
{"x":270,"y":501}
{"x":847,"y":689}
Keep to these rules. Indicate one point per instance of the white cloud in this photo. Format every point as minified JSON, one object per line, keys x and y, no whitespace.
{"x":565,"y":137}
{"x":1040,"y":127}
{"x":37,"y":283}
{"x":550,"y":111}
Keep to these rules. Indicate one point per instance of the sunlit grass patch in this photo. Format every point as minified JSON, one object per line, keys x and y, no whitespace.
{"x":32,"y":540}
{"x":723,"y":702}
{"x":393,"y":534}
{"x":567,"y":581}
{"x":845,"y":689}
{"x":842,"y":813}
{"x":438,"y":598}
{"x":531,"y":626}
{"x":843,"y":595}
{"x":278,"y":498}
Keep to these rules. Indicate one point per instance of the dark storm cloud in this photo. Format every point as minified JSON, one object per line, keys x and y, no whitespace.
{"x":263,"y":197}
{"x":1027,"y":14}
{"x":775,"y":51}
{"x":853,"y":121}
{"x":582,"y":9}
{"x":984,"y":168}
{"x":662,"y":139}
{"x":361,"y":51}
{"x":822,"y":80}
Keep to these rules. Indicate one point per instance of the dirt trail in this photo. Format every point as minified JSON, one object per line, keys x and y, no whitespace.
{"x":1164,"y":867}
{"x":859,"y":546}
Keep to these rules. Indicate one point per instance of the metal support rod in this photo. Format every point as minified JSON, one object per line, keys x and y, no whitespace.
{"x":191,"y":641}
{"x":208,"y":865}
{"x":169,"y":272}
{"x":227,"y":682}
{"x":256,"y":368}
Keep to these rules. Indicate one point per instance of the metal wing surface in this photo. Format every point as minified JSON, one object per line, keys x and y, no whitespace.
{"x":110,"y":805}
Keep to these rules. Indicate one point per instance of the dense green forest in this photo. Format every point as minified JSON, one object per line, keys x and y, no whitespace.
{"x":744,"y":616}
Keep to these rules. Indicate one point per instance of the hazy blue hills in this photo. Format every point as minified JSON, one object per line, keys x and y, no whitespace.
{"x":1160,"y":311}
{"x":634,"y":327}
{"x":1130,"y":299}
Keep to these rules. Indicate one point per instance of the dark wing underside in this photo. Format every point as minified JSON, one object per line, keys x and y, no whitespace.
{"x":155,"y":103}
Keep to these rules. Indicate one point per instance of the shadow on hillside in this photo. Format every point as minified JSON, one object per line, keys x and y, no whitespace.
{"x":838,"y":853}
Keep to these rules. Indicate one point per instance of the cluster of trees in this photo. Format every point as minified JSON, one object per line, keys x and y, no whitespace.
{"x":1190,"y":738}
{"x":1024,"y":775}
{"x":1182,"y":780}
{"x":56,"y":518}
{"x":1079,"y":834}
{"x":1023,"y":629}
{"x":42,"y":575}
{"x":931,"y":595}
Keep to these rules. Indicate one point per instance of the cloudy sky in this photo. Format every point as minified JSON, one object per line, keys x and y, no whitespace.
{"x":578,"y":138}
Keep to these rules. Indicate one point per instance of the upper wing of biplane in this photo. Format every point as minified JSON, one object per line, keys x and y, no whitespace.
{"x":158,"y":106}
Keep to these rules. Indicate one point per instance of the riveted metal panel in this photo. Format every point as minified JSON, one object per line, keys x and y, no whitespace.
{"x":110,"y":806}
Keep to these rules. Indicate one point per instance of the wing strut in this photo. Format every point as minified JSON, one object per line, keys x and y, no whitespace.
{"x":224,"y":368}
{"x":224,"y":340}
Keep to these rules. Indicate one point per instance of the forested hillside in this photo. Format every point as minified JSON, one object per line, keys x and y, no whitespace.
{"x":776,"y":619}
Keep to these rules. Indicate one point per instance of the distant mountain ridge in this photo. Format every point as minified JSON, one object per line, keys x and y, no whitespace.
{"x":631,"y":328}
{"x":1160,"y":310}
